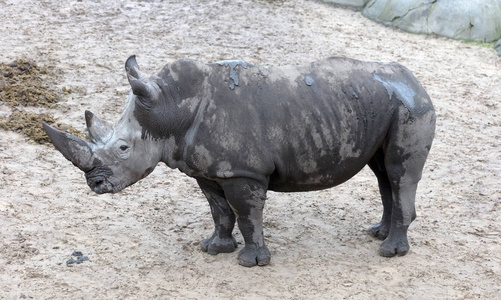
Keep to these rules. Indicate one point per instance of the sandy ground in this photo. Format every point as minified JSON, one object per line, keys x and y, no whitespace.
{"x":143,"y":242}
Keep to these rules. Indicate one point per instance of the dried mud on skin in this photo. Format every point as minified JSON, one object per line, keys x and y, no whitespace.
{"x":23,"y":83}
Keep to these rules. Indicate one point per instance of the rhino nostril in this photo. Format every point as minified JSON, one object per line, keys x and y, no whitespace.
{"x":96,"y":185}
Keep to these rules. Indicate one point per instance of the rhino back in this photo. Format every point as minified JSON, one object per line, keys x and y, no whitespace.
{"x":301,"y":128}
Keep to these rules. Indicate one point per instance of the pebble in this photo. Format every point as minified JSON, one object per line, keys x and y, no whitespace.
{"x":80,"y":259}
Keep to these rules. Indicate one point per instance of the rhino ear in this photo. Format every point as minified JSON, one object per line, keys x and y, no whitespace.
{"x":76,"y":150}
{"x":144,"y":90}
{"x":139,"y":88}
{"x":99,"y":131}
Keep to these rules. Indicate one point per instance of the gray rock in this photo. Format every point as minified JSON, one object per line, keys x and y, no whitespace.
{"x":477,"y":20}
{"x":497,"y":47}
{"x":353,"y":3}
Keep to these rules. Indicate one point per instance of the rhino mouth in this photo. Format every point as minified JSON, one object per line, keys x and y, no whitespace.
{"x":100,"y":185}
{"x":97,"y":180}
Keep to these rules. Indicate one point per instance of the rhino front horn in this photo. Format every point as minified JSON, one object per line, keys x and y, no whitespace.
{"x":73,"y":149}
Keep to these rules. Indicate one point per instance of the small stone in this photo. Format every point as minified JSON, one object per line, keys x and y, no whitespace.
{"x":81,"y":259}
{"x":77,"y":254}
{"x":64,"y":127}
{"x":70,"y":261}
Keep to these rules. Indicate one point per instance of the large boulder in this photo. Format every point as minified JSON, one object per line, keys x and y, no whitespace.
{"x":477,"y":20}
{"x":353,"y":3}
{"x":497,"y":47}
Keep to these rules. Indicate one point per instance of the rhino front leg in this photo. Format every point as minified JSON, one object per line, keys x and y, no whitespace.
{"x":222,"y":239}
{"x":247,"y":198}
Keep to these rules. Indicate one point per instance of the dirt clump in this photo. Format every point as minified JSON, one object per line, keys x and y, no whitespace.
{"x":30,"y":124}
{"x":23,"y":83}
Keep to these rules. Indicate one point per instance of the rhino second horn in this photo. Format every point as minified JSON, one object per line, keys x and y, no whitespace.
{"x":74,"y":149}
{"x":99,"y":131}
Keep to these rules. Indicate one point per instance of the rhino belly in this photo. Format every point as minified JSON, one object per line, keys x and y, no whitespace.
{"x":310,"y":175}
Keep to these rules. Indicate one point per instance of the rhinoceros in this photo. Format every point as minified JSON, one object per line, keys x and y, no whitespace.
{"x":241,"y":130}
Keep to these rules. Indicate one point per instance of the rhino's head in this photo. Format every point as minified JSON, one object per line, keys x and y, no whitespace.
{"x":118,"y":155}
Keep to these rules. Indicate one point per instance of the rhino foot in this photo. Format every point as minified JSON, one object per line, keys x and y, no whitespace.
{"x":252,"y":255}
{"x":394,"y":246}
{"x":379,"y":230}
{"x":215,"y":244}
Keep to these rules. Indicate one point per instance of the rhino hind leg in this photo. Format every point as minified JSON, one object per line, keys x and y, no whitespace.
{"x":408,"y":145}
{"x":247,"y":198}
{"x":382,"y":229}
{"x":403,"y":213}
{"x":222,"y":239}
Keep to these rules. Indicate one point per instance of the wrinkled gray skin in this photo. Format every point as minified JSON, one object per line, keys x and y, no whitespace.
{"x":241,"y":130}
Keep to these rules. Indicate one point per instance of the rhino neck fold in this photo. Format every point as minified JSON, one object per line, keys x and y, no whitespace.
{"x":190,"y":134}
{"x":175,"y":146}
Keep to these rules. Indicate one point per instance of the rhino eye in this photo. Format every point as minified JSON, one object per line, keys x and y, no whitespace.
{"x":124,"y":147}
